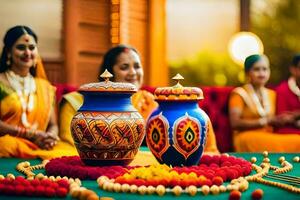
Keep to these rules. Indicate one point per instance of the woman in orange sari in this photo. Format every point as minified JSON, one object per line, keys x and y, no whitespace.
{"x":124,"y":63}
{"x":252,"y":113}
{"x":28,"y":127}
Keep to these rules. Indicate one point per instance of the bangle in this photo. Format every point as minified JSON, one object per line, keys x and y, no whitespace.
{"x":21,"y":132}
{"x":30,"y":133}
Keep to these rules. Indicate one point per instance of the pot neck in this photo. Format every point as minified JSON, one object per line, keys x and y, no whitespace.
{"x":178,"y":104}
{"x":96,"y":101}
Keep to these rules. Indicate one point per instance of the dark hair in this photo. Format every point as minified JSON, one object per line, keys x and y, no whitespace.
{"x":111,"y":56}
{"x":250,"y":61}
{"x":296,"y":60}
{"x":11,"y":36}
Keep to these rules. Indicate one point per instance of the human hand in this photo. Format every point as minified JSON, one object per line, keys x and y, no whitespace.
{"x":285,"y":118}
{"x":297,"y":124}
{"x":45,"y":140}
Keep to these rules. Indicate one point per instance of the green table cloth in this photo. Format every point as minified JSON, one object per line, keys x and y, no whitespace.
{"x":7,"y":165}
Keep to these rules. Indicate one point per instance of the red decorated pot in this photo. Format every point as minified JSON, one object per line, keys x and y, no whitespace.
{"x":107,"y":129}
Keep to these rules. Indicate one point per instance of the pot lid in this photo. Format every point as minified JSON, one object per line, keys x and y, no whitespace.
{"x":178,"y":92}
{"x":107,"y":85}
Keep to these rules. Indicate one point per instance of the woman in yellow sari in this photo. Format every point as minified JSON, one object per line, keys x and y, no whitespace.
{"x":252,"y":113}
{"x":28,"y":127}
{"x":124,"y":63}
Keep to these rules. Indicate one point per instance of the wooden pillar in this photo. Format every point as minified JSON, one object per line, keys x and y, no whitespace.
{"x":245,"y":15}
{"x":158,"y":70}
{"x":70,"y":21}
{"x":86,"y":38}
{"x":142,"y":24}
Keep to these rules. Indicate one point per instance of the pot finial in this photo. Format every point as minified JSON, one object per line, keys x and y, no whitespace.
{"x":106,"y":75}
{"x":177,"y":78}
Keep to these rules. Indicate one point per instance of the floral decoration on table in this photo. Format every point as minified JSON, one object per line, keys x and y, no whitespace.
{"x":206,"y":178}
{"x":72,"y":166}
{"x":162,"y":179}
{"x":212,"y":170}
{"x":39,"y":188}
{"x":43,"y":186}
{"x":223,"y":166}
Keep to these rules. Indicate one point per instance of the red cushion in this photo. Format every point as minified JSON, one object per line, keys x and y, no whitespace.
{"x":62,"y":89}
{"x":215,"y":104}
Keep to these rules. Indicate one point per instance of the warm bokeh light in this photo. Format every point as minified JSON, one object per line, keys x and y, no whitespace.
{"x":241,"y":76}
{"x":243,"y":44}
{"x":220,"y":79}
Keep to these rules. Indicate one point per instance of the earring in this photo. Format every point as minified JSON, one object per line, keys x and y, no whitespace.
{"x":36,"y":60}
{"x":8,"y":61}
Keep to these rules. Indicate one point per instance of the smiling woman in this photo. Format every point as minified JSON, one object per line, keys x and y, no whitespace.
{"x":28,"y":127}
{"x":124,"y":62}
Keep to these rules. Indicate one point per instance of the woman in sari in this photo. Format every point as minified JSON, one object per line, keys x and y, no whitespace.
{"x":252,"y":113}
{"x":125,"y":65}
{"x":28,"y":127}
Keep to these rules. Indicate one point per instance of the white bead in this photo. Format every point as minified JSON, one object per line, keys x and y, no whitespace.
{"x":177,"y":190}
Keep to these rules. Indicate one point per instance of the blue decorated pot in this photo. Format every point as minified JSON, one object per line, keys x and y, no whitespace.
{"x":107,"y":129}
{"x":176,"y":132}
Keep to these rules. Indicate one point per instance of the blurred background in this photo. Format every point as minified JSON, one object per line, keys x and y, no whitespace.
{"x":196,"y":38}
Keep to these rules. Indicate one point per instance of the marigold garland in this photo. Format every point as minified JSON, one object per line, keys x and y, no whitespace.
{"x":20,"y":186}
{"x":72,"y":166}
{"x":224,"y":166}
{"x":73,"y":186}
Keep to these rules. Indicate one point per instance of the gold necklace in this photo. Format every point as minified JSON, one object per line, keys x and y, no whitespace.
{"x":25,"y":88}
{"x":294,"y":87}
{"x":263,"y":107}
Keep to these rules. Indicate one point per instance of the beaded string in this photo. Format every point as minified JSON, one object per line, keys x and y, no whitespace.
{"x":240,"y":184}
{"x":264,"y":168}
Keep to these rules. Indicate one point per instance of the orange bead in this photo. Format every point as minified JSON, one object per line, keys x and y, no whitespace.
{"x":92,"y":197}
{"x":217,"y":180}
{"x":235,"y":195}
{"x":257,"y":194}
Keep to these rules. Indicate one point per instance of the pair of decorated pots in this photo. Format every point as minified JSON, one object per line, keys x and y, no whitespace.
{"x":108,"y":130}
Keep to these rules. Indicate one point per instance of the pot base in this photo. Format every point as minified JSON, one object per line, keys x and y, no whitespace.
{"x":106,"y":162}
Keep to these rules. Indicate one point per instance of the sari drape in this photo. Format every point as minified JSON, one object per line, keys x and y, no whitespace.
{"x":10,"y":112}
